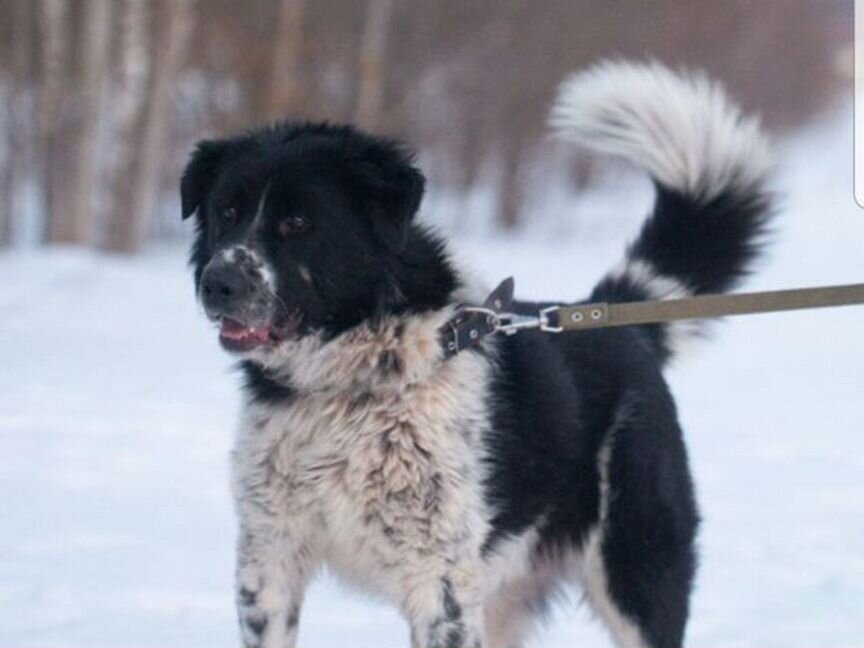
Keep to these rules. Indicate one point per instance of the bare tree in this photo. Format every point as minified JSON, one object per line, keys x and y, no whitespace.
{"x":54,"y":28}
{"x":170,"y":54}
{"x":469,"y":83}
{"x":79,"y":225}
{"x":17,"y":122}
{"x":129,"y":103}
{"x":7,"y":183}
{"x":511,"y":192}
{"x":370,"y":95}
{"x":284,"y":92}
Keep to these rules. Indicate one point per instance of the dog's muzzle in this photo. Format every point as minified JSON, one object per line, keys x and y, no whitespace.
{"x":229,"y":289}
{"x":235,"y":293}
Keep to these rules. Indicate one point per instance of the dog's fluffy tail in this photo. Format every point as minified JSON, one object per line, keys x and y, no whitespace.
{"x":709,"y":163}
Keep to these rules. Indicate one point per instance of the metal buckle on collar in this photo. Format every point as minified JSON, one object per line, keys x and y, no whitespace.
{"x":544,"y":320}
{"x":492,"y":317}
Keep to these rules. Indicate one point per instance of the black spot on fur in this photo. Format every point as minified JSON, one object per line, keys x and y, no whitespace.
{"x":263,"y":387}
{"x":432,"y":500}
{"x":455,"y":637}
{"x":256,"y":625}
{"x":444,"y":633}
{"x":387,"y":445}
{"x":358,"y":402}
{"x":390,"y":362}
{"x":293,"y":618}
{"x":246,"y":596}
{"x":452,"y":609}
{"x":420,"y":450}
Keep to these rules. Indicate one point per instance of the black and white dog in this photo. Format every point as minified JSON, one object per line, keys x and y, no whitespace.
{"x":466,"y":489}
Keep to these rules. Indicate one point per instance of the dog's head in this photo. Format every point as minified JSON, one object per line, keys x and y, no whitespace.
{"x":308,"y":228}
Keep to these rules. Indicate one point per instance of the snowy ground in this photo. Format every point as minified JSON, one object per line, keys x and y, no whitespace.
{"x":117,"y":409}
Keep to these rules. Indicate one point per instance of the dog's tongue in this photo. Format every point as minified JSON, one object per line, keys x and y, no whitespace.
{"x":234,"y":330}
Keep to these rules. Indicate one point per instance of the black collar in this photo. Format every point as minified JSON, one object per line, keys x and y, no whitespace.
{"x":471,"y":324}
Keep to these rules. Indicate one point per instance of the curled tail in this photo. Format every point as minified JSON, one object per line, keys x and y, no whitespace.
{"x":710,"y":165}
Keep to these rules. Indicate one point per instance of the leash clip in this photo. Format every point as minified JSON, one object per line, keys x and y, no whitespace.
{"x":512,"y":323}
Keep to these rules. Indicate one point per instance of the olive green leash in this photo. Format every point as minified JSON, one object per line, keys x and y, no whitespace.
{"x":471,"y":324}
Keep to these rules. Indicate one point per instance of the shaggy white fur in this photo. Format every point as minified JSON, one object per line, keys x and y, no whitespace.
{"x":374,"y":469}
{"x":681,"y":127}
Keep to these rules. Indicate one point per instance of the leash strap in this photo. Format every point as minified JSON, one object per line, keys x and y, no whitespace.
{"x":471,"y":324}
{"x":602,"y":314}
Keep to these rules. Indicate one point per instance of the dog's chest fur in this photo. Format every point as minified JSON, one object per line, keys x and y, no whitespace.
{"x":373,"y":473}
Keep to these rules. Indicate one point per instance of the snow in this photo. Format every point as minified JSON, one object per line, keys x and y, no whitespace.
{"x":117,"y":409}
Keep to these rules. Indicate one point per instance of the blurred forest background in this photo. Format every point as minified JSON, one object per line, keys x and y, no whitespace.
{"x":101,"y":100}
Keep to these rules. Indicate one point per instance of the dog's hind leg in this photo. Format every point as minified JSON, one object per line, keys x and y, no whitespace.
{"x":638,"y":562}
{"x":514,"y":610}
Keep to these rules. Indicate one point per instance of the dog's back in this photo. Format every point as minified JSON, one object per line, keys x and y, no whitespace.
{"x":589,"y":450}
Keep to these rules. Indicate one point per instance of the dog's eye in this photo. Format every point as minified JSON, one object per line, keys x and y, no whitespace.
{"x":228,"y":217}
{"x":293,"y":225}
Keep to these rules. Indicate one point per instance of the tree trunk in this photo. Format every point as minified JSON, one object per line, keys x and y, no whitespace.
{"x":284,"y":94}
{"x":54,"y":30}
{"x":18,"y":122}
{"x":8,"y":175}
{"x":79,"y":224}
{"x":512,"y":190}
{"x":131,"y":95}
{"x":370,"y":96}
{"x":7,"y":184}
{"x":170,"y":54}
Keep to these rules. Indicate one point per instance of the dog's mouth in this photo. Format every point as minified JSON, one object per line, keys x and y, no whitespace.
{"x":238,"y":337}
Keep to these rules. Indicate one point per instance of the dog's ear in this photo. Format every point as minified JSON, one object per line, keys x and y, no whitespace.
{"x":392,"y":188}
{"x":200,"y":174}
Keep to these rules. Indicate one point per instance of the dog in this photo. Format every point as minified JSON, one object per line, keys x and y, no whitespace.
{"x":466,"y":488}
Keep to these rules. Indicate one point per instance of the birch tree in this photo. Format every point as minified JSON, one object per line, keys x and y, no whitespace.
{"x":18,"y":122}
{"x":129,"y":104}
{"x":55,"y":47}
{"x":370,"y":96}
{"x":79,"y":225}
{"x":284,"y":84}
{"x":168,"y":61}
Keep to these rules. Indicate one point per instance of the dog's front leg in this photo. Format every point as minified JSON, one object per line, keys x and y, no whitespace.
{"x":446,"y":611}
{"x":272,"y":574}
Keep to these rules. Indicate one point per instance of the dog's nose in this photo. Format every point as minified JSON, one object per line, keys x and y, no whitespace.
{"x":223,"y":286}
